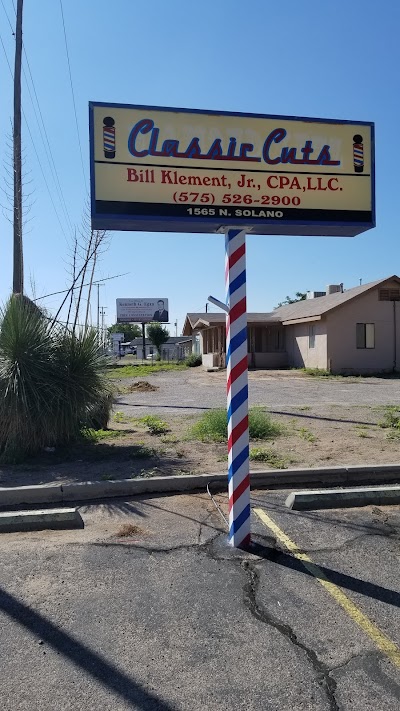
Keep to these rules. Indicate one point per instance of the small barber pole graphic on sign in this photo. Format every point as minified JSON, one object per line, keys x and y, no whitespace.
{"x":358,"y":153}
{"x":109,"y":137}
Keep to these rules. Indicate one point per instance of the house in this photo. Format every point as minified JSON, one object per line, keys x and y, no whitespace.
{"x":176,"y":348}
{"x":355,"y":330}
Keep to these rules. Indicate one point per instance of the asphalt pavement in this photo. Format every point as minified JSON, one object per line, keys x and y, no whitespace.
{"x":194,"y":391}
{"x":169,"y":617}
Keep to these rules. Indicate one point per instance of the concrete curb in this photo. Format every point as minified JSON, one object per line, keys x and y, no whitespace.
{"x":341,"y":498}
{"x":40,"y":520}
{"x":91,"y":490}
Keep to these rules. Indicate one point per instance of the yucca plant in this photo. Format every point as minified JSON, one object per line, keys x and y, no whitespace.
{"x":52,"y":382}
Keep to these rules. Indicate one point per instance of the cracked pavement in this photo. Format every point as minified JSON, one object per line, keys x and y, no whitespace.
{"x":170,"y":618}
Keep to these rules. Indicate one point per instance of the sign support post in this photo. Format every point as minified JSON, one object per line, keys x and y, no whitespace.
{"x":237,"y":389}
{"x":143,"y":341}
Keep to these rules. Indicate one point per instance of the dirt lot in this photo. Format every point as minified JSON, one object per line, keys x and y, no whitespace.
{"x":318,"y":432}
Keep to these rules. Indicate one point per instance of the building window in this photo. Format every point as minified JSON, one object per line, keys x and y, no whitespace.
{"x":365,"y":335}
{"x":311,"y":336}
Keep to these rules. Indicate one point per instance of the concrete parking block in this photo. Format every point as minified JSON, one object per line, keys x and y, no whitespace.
{"x":11,"y":521}
{"x":337,"y":498}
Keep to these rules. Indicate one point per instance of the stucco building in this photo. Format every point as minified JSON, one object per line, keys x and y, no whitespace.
{"x":355,"y":330}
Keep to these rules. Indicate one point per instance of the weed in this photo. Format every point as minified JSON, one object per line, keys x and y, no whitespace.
{"x":140,"y":451}
{"x":169,"y":439}
{"x":391,"y":418}
{"x":180,"y":453}
{"x":155,"y":425}
{"x":212,"y":426}
{"x":363,"y":434}
{"x":305,"y":408}
{"x":275,"y":460}
{"x":306,"y":434}
{"x":315,"y":372}
{"x":107,"y":477}
{"x":129,"y":529}
{"x":122,"y":418}
{"x":93,"y":436}
{"x":139,"y":371}
{"x":392,"y":434}
{"x":147,"y":473}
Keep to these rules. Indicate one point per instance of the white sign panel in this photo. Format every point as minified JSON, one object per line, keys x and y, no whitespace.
{"x":142,"y":310}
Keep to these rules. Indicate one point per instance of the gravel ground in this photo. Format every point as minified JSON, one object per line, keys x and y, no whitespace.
{"x":194,"y":390}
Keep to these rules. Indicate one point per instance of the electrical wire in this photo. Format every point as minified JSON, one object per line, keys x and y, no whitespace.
{"x":73,"y":95}
{"x":47,"y":147}
{"x":42,"y":129}
{"x":34,"y":148}
{"x":216,"y":506}
{"x":64,"y":291}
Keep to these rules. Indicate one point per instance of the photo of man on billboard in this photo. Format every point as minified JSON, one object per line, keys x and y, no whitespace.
{"x":161,"y":314}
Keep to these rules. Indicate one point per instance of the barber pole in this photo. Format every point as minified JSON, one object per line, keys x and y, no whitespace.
{"x":237,"y":389}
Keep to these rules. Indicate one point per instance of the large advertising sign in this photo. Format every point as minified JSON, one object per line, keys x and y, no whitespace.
{"x":142,"y":310}
{"x":181,"y":170}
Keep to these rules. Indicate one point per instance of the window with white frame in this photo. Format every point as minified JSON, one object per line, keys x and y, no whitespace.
{"x":365,"y":335}
{"x":311,"y":336}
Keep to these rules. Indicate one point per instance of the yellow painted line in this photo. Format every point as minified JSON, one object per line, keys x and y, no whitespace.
{"x":380,"y":640}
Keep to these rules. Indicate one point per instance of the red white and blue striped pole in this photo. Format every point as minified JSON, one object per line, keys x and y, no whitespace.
{"x":237,"y":389}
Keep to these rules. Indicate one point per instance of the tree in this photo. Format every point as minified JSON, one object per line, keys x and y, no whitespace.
{"x":130,"y":330}
{"x":299,"y":296}
{"x":157,"y":335}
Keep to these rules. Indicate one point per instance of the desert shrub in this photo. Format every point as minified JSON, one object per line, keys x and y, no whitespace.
{"x":193,"y":361}
{"x":52,"y":382}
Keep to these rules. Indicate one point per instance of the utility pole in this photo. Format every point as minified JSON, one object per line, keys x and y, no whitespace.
{"x":102,"y":313}
{"x":18,"y":264}
{"x":98,"y":313}
{"x":176,"y":328}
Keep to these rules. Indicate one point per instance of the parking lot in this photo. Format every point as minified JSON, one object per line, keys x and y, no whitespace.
{"x":193,"y":391}
{"x":148,"y":608}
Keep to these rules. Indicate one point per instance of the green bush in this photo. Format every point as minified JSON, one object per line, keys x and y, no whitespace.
{"x":212,"y":426}
{"x":52,"y":382}
{"x":193,"y":360}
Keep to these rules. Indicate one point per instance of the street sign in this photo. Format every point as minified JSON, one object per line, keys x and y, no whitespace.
{"x":184,"y":170}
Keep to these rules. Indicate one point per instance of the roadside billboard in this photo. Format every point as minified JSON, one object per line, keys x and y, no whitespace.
{"x":142,"y":310}
{"x":181,"y":170}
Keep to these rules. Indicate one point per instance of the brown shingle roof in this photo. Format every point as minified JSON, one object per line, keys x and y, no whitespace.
{"x":319,"y":306}
{"x":209,"y":319}
{"x":301,"y":309}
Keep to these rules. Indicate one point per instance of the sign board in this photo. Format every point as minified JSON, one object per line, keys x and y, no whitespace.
{"x":142,"y":310}
{"x":183,"y":170}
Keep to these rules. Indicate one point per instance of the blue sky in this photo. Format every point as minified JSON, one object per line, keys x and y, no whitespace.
{"x":307,"y":58}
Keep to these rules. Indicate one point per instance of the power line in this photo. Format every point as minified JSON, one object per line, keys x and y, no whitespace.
{"x":43,"y":132}
{"x":73,"y":95}
{"x":64,"y":291}
{"x":31,"y":137}
{"x":48,"y":150}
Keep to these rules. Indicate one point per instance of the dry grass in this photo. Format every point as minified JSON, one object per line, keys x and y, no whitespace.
{"x":142,"y":386}
{"x":129,"y":529}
